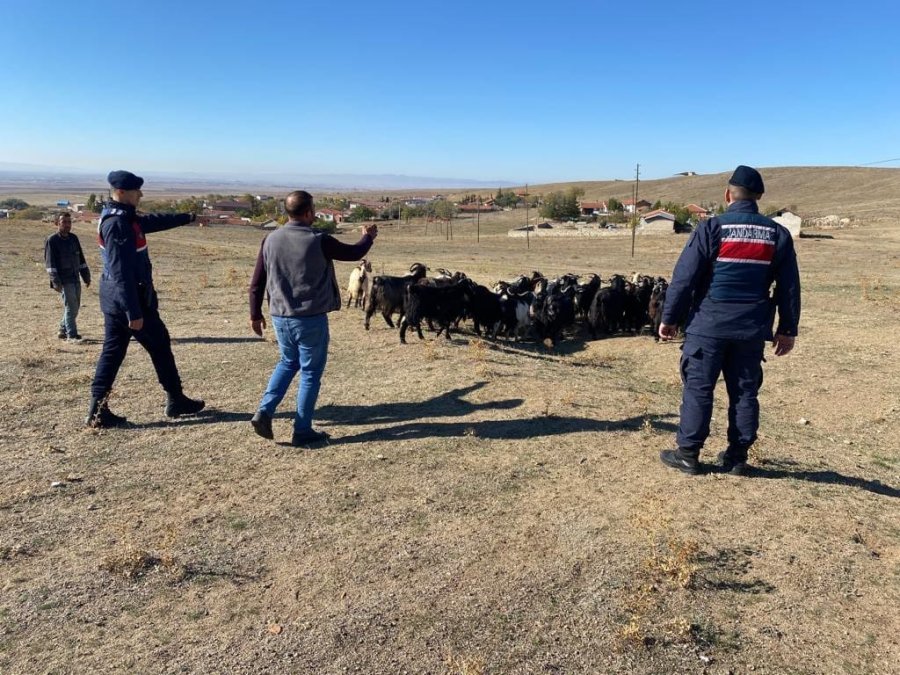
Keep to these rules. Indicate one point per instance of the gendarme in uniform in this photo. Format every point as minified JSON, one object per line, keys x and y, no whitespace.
{"x":721,"y":285}
{"x":128,"y":300}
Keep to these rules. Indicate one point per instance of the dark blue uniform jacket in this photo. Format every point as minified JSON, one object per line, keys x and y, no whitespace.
{"x":126,"y":285}
{"x":722,"y":279}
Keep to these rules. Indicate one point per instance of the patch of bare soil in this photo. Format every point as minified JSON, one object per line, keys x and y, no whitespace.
{"x":483,"y":507}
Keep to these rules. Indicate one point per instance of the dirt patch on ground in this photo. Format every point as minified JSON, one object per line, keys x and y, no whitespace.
{"x":482,"y":508}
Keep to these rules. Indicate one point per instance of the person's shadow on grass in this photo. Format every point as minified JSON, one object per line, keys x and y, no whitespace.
{"x":510,"y":429}
{"x":448,"y":404}
{"x":205,"y":416}
{"x":778,"y":472}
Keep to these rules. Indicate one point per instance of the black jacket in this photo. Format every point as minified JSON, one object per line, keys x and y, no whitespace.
{"x":722,"y":279}
{"x":64,"y":260}
{"x":126,"y":285}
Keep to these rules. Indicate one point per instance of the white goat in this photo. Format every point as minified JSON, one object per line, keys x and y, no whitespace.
{"x":360,"y":284}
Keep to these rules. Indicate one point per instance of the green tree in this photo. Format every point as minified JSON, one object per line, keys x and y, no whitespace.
{"x":360,"y":213}
{"x":91,"y":203}
{"x":508,"y":199}
{"x":561,"y":205}
{"x":28,"y":213}
{"x":614,"y":204}
{"x":408,"y":212}
{"x":325,"y":225}
{"x":13,"y":203}
{"x":443,"y":209}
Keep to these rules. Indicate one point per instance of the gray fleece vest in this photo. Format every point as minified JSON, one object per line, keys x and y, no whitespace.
{"x":300,"y":280}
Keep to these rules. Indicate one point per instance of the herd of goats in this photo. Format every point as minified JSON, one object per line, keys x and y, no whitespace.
{"x":530,"y":306}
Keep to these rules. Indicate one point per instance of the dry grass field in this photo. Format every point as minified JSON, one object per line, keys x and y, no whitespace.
{"x":481,"y":508}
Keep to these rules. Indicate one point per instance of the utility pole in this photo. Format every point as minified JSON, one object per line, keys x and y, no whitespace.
{"x":478,"y":221}
{"x":634,"y":219}
{"x":527,"y":238}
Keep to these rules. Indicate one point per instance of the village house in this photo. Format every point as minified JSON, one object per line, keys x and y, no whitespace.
{"x":658,"y":221}
{"x":698,"y":211}
{"x":642,"y":205}
{"x":595,"y":208}
{"x":330,"y":215}
{"x":475,"y":208}
{"x":375,"y":206}
{"x":229,"y":206}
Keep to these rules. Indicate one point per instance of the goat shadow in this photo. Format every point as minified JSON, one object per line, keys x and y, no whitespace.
{"x":515,"y":429}
{"x":448,"y":404}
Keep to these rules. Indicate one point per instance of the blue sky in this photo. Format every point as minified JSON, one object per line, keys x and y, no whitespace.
{"x":520,"y":91}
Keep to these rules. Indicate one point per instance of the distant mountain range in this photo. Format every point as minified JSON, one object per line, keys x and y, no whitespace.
{"x":31,"y":174}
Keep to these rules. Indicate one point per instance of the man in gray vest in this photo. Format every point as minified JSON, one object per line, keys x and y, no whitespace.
{"x":295,"y":268}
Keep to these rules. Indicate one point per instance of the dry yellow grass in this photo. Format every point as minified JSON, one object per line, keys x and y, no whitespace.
{"x":482,"y":508}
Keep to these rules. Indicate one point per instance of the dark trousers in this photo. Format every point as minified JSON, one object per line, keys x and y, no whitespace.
{"x":154,"y":337}
{"x":703,"y":359}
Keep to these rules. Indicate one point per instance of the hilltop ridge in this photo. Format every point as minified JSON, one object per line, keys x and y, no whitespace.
{"x":815,"y":191}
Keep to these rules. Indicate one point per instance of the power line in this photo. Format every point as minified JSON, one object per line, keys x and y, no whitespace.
{"x":881,"y":161}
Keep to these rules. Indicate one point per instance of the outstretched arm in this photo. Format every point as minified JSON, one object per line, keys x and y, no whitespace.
{"x":156,"y":222}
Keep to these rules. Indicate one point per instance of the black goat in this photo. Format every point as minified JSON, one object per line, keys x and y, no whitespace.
{"x":584,"y":295}
{"x":514,"y":312}
{"x":637,"y":302}
{"x":441,"y":304}
{"x":608,"y":307}
{"x":552,"y":311}
{"x":389,"y":293}
{"x":483,"y":307}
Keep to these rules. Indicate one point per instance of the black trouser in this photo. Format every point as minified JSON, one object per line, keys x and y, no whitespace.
{"x":703,"y":359}
{"x":154,"y":337}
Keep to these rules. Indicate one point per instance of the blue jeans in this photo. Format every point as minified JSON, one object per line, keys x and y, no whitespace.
{"x":71,"y":297}
{"x":303,"y":341}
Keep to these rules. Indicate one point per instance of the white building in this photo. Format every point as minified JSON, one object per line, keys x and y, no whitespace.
{"x":790,"y":220}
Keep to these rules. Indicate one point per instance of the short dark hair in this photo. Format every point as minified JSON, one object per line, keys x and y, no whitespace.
{"x":738,"y":193}
{"x":63,"y":215}
{"x":297,"y":203}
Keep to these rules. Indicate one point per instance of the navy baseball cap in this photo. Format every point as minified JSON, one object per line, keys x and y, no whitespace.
{"x":749,"y":178}
{"x":124,"y":180}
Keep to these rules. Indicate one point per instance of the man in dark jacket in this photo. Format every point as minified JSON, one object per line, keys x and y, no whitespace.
{"x":66,"y":266}
{"x":128,"y":300}
{"x":295,"y":268}
{"x":721,"y":283}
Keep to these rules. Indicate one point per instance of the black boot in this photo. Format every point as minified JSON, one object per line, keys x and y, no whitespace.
{"x":306,"y":439}
{"x":682,"y":459}
{"x":734,"y":460}
{"x":101,"y":417}
{"x":179,"y":404}
{"x":262,"y":425}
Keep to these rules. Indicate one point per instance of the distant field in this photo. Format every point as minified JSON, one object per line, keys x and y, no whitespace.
{"x":482,"y":508}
